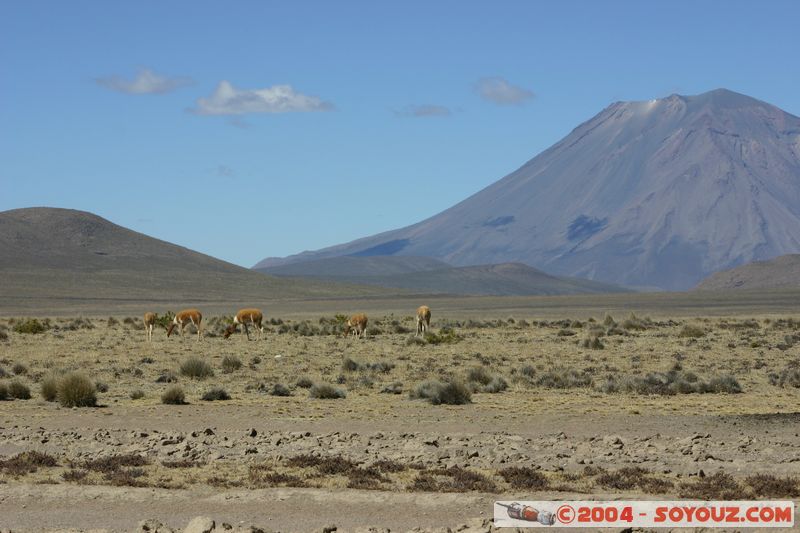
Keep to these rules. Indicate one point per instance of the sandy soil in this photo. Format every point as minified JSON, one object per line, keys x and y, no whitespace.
{"x":236,"y":456}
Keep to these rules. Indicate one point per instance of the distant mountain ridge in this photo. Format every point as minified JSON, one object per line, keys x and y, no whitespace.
{"x":435,"y":277}
{"x":657,"y":193}
{"x":780,"y":272}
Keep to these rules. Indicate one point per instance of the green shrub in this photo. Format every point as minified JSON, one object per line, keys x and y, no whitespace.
{"x":230,"y":364}
{"x":445,"y":336}
{"x":174,"y":395}
{"x":436,"y":392}
{"x":215,"y":394}
{"x":196,"y":368}
{"x":76,"y":390}
{"x":325,"y":391}
{"x":29,"y":326}
{"x":18,"y":390}
{"x":49,"y":388}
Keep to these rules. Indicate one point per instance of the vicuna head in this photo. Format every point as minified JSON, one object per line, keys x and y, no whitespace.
{"x":169,"y":330}
{"x":229,"y":331}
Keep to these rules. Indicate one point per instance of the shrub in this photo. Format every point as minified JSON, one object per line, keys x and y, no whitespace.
{"x":676,"y":381}
{"x":3,"y":334}
{"x":348,"y":365}
{"x":445,"y":336}
{"x":790,"y":376}
{"x":217,"y":393}
{"x":49,"y":388}
{"x":196,"y":368}
{"x":76,"y":390}
{"x":564,"y":378}
{"x":27,"y":462}
{"x":692,"y":332}
{"x":174,"y":396}
{"x":304,"y":383}
{"x":30,"y":326}
{"x":112,"y":322}
{"x":593,"y":342}
{"x":280,"y":389}
{"x":325,"y":391}
{"x":524,"y":478}
{"x":19,"y":369}
{"x":18,"y":390}
{"x":383,"y":367}
{"x":498,"y":384}
{"x":479,"y":375}
{"x":436,"y":392}
{"x":720,"y":486}
{"x":3,"y":391}
{"x":393,"y":388}
{"x":770,"y":486}
{"x":166,"y":377}
{"x":137,"y":394}
{"x":230,"y":364}
{"x":101,"y":386}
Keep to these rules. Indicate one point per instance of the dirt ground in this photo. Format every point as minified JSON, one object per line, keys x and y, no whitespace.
{"x":571,"y":408}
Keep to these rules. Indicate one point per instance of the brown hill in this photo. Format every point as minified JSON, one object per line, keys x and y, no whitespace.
{"x":49,"y":253}
{"x":783,"y":271}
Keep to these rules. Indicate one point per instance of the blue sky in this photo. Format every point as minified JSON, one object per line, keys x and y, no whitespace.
{"x":250,"y":129}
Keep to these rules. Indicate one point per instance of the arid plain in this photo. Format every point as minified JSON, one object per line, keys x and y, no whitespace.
{"x":634,"y":396}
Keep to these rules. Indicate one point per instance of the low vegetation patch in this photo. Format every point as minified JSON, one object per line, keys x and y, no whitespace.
{"x":675,"y":381}
{"x":174,"y":396}
{"x":789,"y":376}
{"x":304,"y":383}
{"x":326,"y":391}
{"x":196,"y":368}
{"x":18,"y":390}
{"x":76,"y":390}
{"x":30,"y":326}
{"x":692,"y":332}
{"x":436,"y":392}
{"x":215,"y":394}
{"x":563,"y":378}
{"x":524,"y":478}
{"x":231,"y":363}
{"x":444,"y":336}
{"x":49,"y":388}
{"x":279,"y":389}
{"x":27,"y":462}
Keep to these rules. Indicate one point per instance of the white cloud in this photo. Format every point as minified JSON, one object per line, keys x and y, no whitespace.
{"x":228,"y":100}
{"x":145,"y":82}
{"x":423,"y":111}
{"x":499,"y":91}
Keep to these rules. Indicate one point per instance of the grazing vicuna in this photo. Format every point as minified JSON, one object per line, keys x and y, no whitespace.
{"x":184,"y":318}
{"x":245,"y":317}
{"x":149,"y":324}
{"x":423,"y":319}
{"x":357,"y":324}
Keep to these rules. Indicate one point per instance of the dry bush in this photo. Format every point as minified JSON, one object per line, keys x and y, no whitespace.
{"x":326,"y":391}
{"x":349,"y":365}
{"x":49,"y":388}
{"x":230,"y":363}
{"x":720,"y":486}
{"x":304,"y":383}
{"x":174,"y":396}
{"x":137,"y":394}
{"x":436,"y":392}
{"x":114,"y":462}
{"x":18,"y":390}
{"x":76,"y":390}
{"x":27,"y":463}
{"x":675,"y":381}
{"x":393,"y":388}
{"x":524,"y":478}
{"x":769,"y":486}
{"x":279,"y":389}
{"x":692,"y":332}
{"x":593,"y":342}
{"x":215,"y":394}
{"x":453,"y":479}
{"x":19,"y":369}
{"x":3,"y":391}
{"x":564,"y":378}
{"x":196,"y":368}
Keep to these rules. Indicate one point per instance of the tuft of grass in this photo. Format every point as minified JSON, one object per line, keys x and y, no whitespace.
{"x":3,"y":391}
{"x":230,"y":363}
{"x":18,"y":390}
{"x":19,"y":369}
{"x":393,"y":388}
{"x":174,"y":396}
{"x":137,"y":394}
{"x":326,"y":391}
{"x":217,"y":393}
{"x":789,"y":376}
{"x":479,"y":375}
{"x":196,"y":368}
{"x":497,"y":384}
{"x":593,"y":342}
{"x":76,"y":390}
{"x":349,"y":365}
{"x":49,"y":388}
{"x":437,"y":393}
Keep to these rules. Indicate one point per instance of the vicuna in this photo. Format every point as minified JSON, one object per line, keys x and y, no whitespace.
{"x":184,"y":318}
{"x":423,"y":319}
{"x":357,"y":324}
{"x":245,"y":317}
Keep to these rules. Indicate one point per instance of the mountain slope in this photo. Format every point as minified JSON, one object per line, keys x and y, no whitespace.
{"x":658,"y":193}
{"x":782,"y":271}
{"x":62,"y":253}
{"x":497,"y":280}
{"x":356,"y":267}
